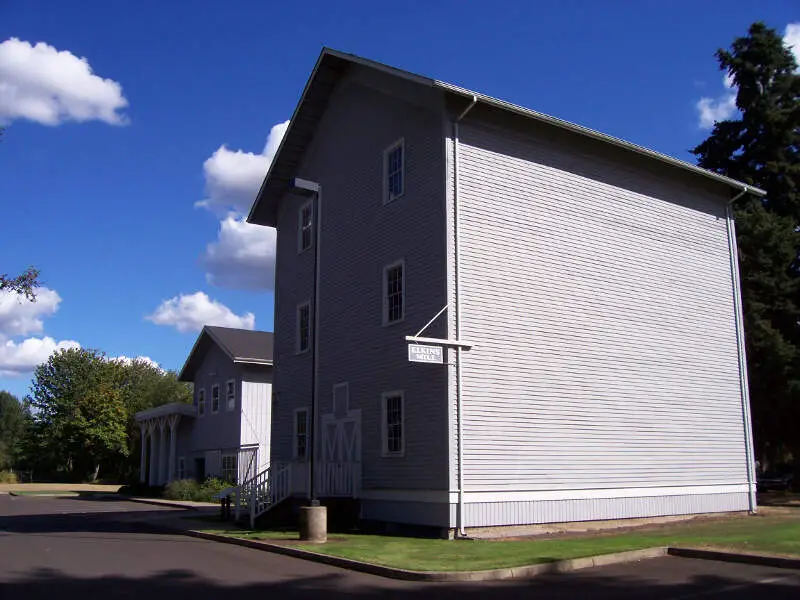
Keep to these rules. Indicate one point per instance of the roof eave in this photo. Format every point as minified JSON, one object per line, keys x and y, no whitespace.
{"x":253,"y":361}
{"x":258,"y":215}
{"x":266,"y":215}
{"x":182,"y":376}
{"x":599,"y":136}
{"x":254,"y":210}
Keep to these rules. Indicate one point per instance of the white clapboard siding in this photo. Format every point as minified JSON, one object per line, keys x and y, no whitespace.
{"x":599,"y":299}
{"x":256,"y":407}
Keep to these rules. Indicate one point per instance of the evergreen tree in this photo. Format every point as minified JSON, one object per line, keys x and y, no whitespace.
{"x":762,"y":147}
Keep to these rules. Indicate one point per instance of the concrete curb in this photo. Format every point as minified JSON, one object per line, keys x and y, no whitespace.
{"x":167,"y":503}
{"x":43,"y":494}
{"x":561,"y":566}
{"x":733,"y":557}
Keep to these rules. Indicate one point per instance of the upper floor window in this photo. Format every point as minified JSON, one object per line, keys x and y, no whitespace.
{"x":305,"y":227}
{"x":230,"y":394}
{"x":303,"y":327}
{"x":394,"y":161}
{"x":394,"y":293}
{"x":214,"y":398}
{"x":201,"y":402}
{"x":393,"y":424}
{"x":300,"y":433}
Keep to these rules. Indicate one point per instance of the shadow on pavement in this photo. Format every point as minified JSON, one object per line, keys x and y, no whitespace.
{"x":44,"y":584}
{"x":126,"y":566}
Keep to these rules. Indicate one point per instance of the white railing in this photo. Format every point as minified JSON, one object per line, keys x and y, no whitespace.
{"x":262,"y":492}
{"x":338,"y":479}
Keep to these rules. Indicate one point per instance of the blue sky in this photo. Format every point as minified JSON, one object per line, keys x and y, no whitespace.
{"x":123,"y":178}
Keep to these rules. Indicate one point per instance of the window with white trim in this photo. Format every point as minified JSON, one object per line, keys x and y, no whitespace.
{"x":305,"y":227}
{"x":394,"y":293}
{"x":201,"y":402}
{"x":393,"y":430}
{"x":300,"y":433}
{"x":181,"y":467}
{"x":393,"y":171}
{"x":230,"y":394}
{"x":215,"y":398}
{"x":229,"y":468}
{"x":303,"y":327}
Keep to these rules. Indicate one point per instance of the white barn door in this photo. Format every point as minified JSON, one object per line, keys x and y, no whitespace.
{"x":256,"y":416}
{"x":340,"y":469}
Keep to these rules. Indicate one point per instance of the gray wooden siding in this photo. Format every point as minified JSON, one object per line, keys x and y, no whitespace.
{"x":599,"y":298}
{"x":359,"y":237}
{"x":434,"y":514}
{"x":215,"y":430}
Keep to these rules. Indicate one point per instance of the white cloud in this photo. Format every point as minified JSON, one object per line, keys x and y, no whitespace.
{"x":791,"y":37}
{"x":243,"y":255}
{"x":17,"y":359}
{"x":19,"y":316}
{"x":127,"y":360}
{"x":234,"y":177}
{"x":189,"y":312}
{"x":42,"y":84}
{"x":723,"y":107}
{"x":718,"y":109}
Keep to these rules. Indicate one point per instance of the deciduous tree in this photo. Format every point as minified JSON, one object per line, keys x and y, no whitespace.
{"x":12,"y":422}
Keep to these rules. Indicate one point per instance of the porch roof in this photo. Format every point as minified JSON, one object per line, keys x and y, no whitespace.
{"x":165,"y":410}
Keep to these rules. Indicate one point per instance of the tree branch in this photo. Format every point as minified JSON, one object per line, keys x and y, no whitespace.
{"x":24,"y":285}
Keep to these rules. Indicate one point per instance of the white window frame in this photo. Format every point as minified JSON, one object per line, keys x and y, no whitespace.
{"x":181,"y":467}
{"x":385,"y":452}
{"x":298,"y":336}
{"x":214,"y":387}
{"x":302,"y":228}
{"x":230,"y":397}
{"x":201,"y":402}
{"x":388,"y":197}
{"x":222,"y":469}
{"x":295,"y":420}
{"x":385,"y":289}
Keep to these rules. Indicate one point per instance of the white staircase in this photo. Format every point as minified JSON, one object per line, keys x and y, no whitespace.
{"x":263,"y":491}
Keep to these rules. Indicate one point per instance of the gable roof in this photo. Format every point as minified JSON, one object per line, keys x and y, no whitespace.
{"x":241,"y":345}
{"x":329,"y":68}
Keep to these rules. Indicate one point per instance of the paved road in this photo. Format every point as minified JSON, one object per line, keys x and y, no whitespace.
{"x":77,"y":549}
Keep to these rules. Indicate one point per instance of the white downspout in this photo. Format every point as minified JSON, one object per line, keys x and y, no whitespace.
{"x":733,"y":250}
{"x":457,"y":260}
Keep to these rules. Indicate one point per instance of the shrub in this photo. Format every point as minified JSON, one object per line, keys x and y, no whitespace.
{"x":182,"y":489}
{"x":8,"y":477}
{"x":189,"y":489}
{"x":142,"y":489}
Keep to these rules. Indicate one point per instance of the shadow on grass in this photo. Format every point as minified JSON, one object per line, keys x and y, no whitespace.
{"x":779,"y":499}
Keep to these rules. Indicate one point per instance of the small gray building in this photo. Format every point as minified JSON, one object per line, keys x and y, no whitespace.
{"x":225,"y":432}
{"x":584,"y":291}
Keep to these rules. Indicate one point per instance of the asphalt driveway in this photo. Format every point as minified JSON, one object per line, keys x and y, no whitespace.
{"x":79,"y":549}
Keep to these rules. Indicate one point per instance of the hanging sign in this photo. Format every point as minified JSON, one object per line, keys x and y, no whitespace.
{"x":425,"y":354}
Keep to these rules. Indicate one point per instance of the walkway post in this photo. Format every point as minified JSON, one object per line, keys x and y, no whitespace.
{"x":314,"y":518}
{"x":143,"y":454}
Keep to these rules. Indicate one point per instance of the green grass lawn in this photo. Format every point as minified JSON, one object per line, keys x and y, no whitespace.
{"x":776,"y":533}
